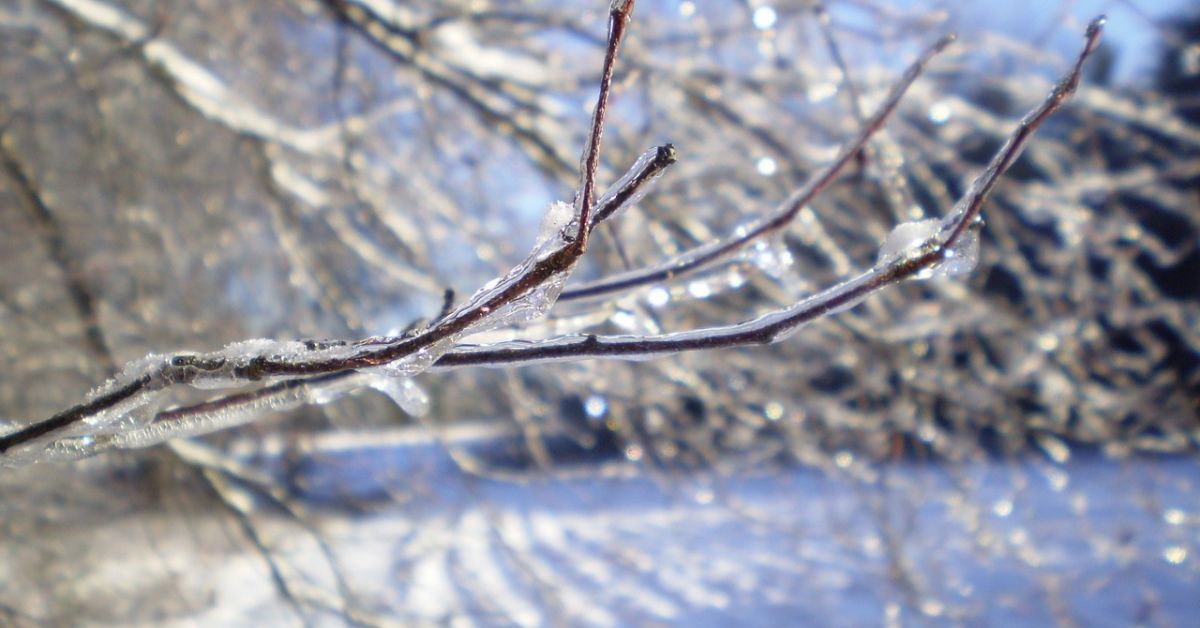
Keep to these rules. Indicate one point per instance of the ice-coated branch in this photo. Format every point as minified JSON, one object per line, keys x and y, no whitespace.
{"x":618,"y":20}
{"x":524,"y":293}
{"x":136,"y":386}
{"x":913,"y":250}
{"x":967,"y":209}
{"x":778,"y":219}
{"x":127,"y":411}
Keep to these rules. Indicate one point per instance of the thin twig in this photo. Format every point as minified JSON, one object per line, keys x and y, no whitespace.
{"x":618,"y":20}
{"x":782,"y":215}
{"x":51,"y":229}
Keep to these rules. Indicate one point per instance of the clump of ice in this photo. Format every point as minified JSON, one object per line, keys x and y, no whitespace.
{"x":910,"y":239}
{"x":554,"y":224}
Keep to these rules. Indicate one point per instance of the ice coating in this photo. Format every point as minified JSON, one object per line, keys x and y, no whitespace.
{"x":411,"y":364}
{"x":558,"y":217}
{"x":960,"y":258}
{"x":46,"y":449}
{"x":554,"y":236}
{"x":206,"y":419}
{"x":331,"y":389}
{"x":643,"y":163}
{"x":139,"y":416}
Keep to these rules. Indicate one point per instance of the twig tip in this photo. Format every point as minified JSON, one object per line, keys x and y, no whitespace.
{"x":667,"y":154}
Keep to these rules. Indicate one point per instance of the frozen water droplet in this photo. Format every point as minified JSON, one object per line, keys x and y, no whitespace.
{"x":699,"y":289}
{"x":911,"y":239}
{"x":658,"y":296}
{"x":595,"y":406}
{"x":406,"y":393}
{"x":962,"y":257}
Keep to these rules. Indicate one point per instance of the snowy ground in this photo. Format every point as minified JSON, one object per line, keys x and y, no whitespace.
{"x":416,"y":540}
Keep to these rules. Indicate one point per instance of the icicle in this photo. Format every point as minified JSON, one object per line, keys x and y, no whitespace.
{"x":320,"y":393}
{"x":405,"y":392}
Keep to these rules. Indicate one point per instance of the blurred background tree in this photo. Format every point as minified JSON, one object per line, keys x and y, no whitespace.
{"x":1016,"y":446}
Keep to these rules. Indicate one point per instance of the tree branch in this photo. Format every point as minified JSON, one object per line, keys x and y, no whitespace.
{"x":334,"y":367}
